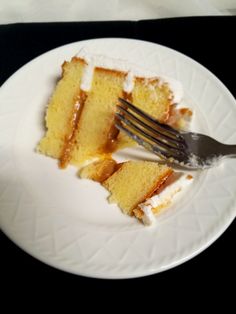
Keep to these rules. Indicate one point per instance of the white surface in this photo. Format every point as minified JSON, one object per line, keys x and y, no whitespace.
{"x":94,"y":10}
{"x":67,"y":222}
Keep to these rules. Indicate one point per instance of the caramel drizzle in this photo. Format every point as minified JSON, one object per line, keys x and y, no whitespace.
{"x":156,"y":189}
{"x":170,"y":114}
{"x":111,"y":141}
{"x":108,"y":170}
{"x":74,"y":123}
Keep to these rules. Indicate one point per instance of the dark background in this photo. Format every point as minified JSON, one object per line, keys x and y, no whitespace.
{"x":210,"y":41}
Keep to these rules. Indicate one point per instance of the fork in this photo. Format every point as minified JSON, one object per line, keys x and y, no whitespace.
{"x":188,"y":149}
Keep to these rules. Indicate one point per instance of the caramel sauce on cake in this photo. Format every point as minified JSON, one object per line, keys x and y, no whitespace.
{"x":164,"y":181}
{"x":74,"y":124}
{"x":100,"y":170}
{"x":158,"y":187}
{"x":112,"y":136}
{"x":110,"y":144}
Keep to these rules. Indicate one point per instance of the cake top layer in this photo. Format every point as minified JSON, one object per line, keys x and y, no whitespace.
{"x":133,"y":71}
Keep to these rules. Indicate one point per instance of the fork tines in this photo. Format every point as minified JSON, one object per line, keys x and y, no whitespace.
{"x":161,"y":139}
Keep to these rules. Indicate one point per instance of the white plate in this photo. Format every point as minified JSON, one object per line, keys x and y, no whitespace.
{"x":66,"y":222}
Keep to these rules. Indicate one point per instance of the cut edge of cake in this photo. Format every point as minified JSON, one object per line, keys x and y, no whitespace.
{"x":62,"y":110}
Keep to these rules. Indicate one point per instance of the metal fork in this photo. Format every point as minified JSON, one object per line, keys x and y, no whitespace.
{"x":188,"y":149}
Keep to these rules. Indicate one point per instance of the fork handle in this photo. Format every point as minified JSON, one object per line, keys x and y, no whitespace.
{"x":229,"y":150}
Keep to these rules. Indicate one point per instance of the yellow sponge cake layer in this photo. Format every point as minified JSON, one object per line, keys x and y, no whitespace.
{"x":134,"y":182}
{"x":151,"y":96}
{"x":61,"y":109}
{"x":97,"y":118}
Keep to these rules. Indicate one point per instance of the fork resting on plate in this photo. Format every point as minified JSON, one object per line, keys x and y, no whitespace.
{"x":188,"y":149}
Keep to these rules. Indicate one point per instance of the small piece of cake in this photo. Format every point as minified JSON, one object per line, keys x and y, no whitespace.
{"x":134,"y":182}
{"x":99,"y":170}
{"x":140,"y":188}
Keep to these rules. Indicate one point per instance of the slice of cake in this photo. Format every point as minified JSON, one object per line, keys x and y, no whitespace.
{"x":140,"y":188}
{"x":80,"y":118}
{"x":134,"y":182}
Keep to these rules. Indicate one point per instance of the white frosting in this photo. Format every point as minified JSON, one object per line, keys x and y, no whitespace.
{"x":87,"y":77}
{"x":148,"y":218}
{"x":132,"y":71}
{"x":195,"y":161}
{"x":129,"y":83}
{"x":176,"y":88}
{"x":162,"y":198}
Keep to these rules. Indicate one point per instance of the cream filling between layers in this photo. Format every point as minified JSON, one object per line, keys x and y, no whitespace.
{"x":163,"y":198}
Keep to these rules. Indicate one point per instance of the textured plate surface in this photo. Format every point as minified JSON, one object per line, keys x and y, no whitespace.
{"x":67,"y":222}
